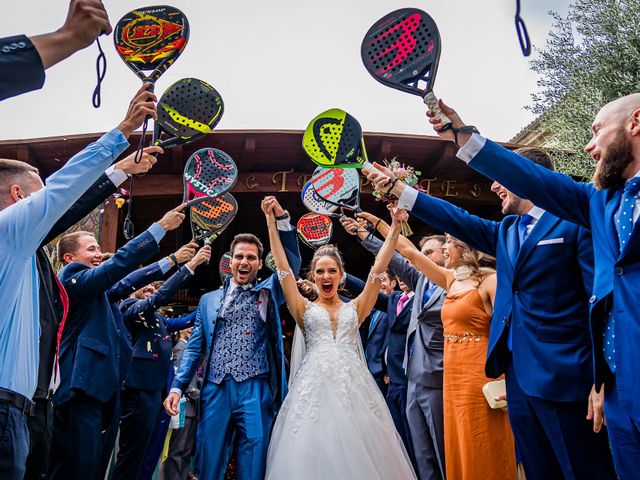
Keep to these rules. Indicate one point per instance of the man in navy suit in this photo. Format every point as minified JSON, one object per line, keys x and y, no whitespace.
{"x":23,"y":60}
{"x":609,"y":207}
{"x":90,"y":346}
{"x":150,"y":364}
{"x":539,"y":332}
{"x":239,"y":336}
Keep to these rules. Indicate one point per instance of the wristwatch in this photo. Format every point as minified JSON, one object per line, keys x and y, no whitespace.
{"x":174,"y":259}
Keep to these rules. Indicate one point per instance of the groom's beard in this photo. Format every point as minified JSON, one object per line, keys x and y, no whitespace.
{"x":618,"y":156}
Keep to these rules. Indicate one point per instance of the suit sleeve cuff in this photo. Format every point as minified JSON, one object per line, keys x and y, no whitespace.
{"x":284,"y":225}
{"x":176,"y":390}
{"x":165,"y":265}
{"x":157,"y":232}
{"x":117,"y":176}
{"x":470,"y":149}
{"x":189,"y":269}
{"x":407,"y":198}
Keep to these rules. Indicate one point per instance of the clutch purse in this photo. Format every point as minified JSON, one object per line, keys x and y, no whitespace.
{"x":491,"y":390}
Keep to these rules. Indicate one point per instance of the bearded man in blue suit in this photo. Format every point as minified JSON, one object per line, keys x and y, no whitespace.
{"x":239,"y":336}
{"x":609,"y":207}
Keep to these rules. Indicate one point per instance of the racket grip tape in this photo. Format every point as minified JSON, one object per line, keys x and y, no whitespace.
{"x":432,"y":102}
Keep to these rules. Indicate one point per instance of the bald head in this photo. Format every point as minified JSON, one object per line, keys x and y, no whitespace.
{"x":621,"y":109}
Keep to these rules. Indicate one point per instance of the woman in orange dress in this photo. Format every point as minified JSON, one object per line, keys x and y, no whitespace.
{"x":478,"y":441}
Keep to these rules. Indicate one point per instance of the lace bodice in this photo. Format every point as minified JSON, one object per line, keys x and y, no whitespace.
{"x":318,"y":330}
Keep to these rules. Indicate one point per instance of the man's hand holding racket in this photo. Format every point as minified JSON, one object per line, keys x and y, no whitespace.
{"x":203,"y":255}
{"x":143,"y":104}
{"x":456,"y":125}
{"x":129,"y":166}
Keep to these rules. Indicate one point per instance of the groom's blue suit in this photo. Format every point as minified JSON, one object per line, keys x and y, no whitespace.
{"x":245,"y":408}
{"x":616,"y":287}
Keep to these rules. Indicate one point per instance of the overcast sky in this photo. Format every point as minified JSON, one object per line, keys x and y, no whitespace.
{"x":278,"y":63}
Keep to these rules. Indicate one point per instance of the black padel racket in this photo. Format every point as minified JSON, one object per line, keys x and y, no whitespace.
{"x":150,"y":39}
{"x":210,"y":216}
{"x":314,"y":230}
{"x":188,"y":110}
{"x":224,"y":267}
{"x":402,"y":51}
{"x":209,"y":172}
{"x":316,"y":204}
{"x":339,"y":186}
{"x":270,"y":262}
{"x":334,"y":139}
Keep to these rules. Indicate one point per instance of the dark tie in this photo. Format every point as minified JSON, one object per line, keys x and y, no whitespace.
{"x":624,"y":227}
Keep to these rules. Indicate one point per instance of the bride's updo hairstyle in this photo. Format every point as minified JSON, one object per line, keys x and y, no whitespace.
{"x":326,"y":251}
{"x":479,"y":263}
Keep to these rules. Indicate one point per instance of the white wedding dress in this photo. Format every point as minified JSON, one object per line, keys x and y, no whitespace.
{"x":334,"y":423}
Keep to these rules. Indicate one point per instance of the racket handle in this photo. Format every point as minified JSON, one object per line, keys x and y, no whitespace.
{"x":432,"y":102}
{"x":367,"y":166}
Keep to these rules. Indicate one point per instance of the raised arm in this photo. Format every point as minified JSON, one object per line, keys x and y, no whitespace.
{"x":295,"y":301}
{"x":367,"y":299}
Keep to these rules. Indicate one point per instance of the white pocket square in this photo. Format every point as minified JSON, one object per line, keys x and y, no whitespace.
{"x":551,"y":241}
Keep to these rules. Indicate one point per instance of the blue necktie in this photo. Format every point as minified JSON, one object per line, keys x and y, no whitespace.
{"x":524,"y":221}
{"x":624,"y":227}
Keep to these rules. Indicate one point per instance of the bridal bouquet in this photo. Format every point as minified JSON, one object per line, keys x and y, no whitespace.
{"x":406,"y":174}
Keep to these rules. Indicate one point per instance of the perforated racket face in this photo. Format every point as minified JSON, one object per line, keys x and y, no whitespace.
{"x":188,"y":109}
{"x":402,"y":50}
{"x":150,"y":39}
{"x":209,"y":172}
{"x":315,"y":230}
{"x":334,"y":139}
{"x":315,"y":203}
{"x":211,"y":215}
{"x":224,"y":267}
{"x":340,"y":186}
{"x":270,"y":262}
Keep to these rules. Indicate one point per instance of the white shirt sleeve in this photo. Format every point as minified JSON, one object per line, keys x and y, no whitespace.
{"x":408,"y":198}
{"x":471,"y":148}
{"x":117,"y":176}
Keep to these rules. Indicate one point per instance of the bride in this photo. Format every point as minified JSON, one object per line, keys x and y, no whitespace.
{"x":334,"y":423}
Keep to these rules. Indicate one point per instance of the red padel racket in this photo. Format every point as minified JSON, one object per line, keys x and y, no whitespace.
{"x":339,"y":186}
{"x":316,"y":204}
{"x":224,"y":267}
{"x":314,"y":230}
{"x":402,"y":51}
{"x":209,"y":172}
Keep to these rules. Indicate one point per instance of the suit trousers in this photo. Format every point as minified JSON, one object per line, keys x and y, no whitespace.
{"x":77,"y":439}
{"x":230,"y":409}
{"x":554,"y":438}
{"x":40,"y":432}
{"x":14,"y":442}
{"x":397,"y":403}
{"x":140,"y":409}
{"x":624,"y":434}
{"x":181,"y":445}
{"x":426,"y":424}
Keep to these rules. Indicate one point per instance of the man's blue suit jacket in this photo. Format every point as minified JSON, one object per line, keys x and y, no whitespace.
{"x":199,"y":344}
{"x":151,"y":356}
{"x":90,"y":345}
{"x":616,"y":286}
{"x":543,"y":293}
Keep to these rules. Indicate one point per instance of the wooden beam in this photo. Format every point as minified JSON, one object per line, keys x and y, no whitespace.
{"x":109,"y":230}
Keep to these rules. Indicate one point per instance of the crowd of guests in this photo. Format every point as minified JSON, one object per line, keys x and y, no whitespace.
{"x":546,"y":299}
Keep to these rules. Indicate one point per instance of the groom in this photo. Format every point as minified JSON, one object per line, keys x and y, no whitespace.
{"x":239,"y":336}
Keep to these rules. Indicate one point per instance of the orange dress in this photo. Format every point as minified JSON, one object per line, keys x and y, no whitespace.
{"x":478,"y":442}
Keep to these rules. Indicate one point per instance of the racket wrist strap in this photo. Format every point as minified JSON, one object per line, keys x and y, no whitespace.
{"x":284,"y":216}
{"x":467,"y":129}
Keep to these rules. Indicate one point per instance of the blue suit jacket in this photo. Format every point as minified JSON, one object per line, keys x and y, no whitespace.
{"x":151,"y":356}
{"x":199,"y":344}
{"x":90,"y":346}
{"x":21,"y":69}
{"x":616,"y":286}
{"x":543,"y":293}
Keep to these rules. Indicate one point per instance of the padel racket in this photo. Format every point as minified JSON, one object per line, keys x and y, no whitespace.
{"x":150,"y":39}
{"x":209,"y":172}
{"x":314,"y":230}
{"x":334,"y":139}
{"x":188,"y":110}
{"x":316,"y":204}
{"x":402,"y":51}
{"x":339,"y":186}
{"x":270,"y":262}
{"x":224,"y":267}
{"x":210,"y":216}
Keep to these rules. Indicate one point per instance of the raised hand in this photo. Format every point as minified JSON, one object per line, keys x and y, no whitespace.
{"x":147,"y":161}
{"x":271,"y":207}
{"x":173,"y":218}
{"x":186,"y":252}
{"x":456,"y":123}
{"x":142,"y":104}
{"x":203,"y":255}
{"x":350,"y":225}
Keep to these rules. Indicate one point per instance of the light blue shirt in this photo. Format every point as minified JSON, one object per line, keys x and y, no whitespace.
{"x":23,"y":226}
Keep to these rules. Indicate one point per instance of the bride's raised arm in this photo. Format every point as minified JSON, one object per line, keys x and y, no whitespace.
{"x":367,"y":299}
{"x":295,"y":301}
